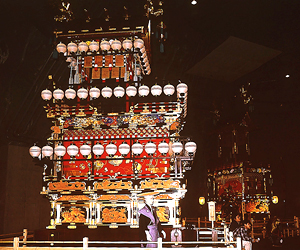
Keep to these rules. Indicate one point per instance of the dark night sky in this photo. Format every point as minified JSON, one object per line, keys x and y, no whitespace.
{"x":193,"y":33}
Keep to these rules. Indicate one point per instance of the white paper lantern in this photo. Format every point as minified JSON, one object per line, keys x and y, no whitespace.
{"x":150,"y":148}
{"x":61,"y":48}
{"x":106,"y":92}
{"x":127,"y":44}
{"x":190,"y":147}
{"x":131,"y":91}
{"x":60,"y":150}
{"x":138,"y":43}
{"x":72,"y":47}
{"x":35,"y":151}
{"x":156,"y":90}
{"x":83,"y":47}
{"x":116,"y":45}
{"x":182,"y":88}
{"x":70,"y":94}
{"x":85,"y":150}
{"x":47,"y":151}
{"x":46,"y":95}
{"x":124,"y":148}
{"x":82,"y":93}
{"x":98,"y":149}
{"x":94,"y":46}
{"x":95,"y":92}
{"x":163,"y":148}
{"x":111,"y":149}
{"x":144,"y":90}
{"x":177,"y":147}
{"x":72,"y":150}
{"x":137,"y":148}
{"x":119,"y":91}
{"x":169,"y":89}
{"x":104,"y":45}
{"x":58,"y":94}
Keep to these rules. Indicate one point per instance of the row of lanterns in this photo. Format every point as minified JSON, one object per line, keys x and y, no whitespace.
{"x":106,"y":92}
{"x":104,"y":45}
{"x":111,"y":149}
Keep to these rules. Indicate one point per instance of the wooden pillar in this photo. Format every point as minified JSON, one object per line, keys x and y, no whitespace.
{"x":264,"y":231}
{"x":199,"y":222}
{"x":252,"y":228}
{"x":16,"y":243}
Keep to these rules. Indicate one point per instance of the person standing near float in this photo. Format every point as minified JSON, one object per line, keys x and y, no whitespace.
{"x":149,"y":224}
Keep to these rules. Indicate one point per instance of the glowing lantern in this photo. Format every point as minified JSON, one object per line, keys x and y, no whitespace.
{"x":150,"y":148}
{"x":127,"y":44}
{"x":47,"y":151}
{"x":61,"y":48}
{"x":104,"y":45}
{"x":46,"y":95}
{"x":201,"y":200}
{"x":177,"y":147}
{"x":182,"y":88}
{"x":190,"y":147}
{"x":58,"y":94}
{"x":156,"y":90}
{"x":94,"y":92}
{"x":111,"y":149}
{"x":82,"y":93}
{"x":94,"y":46}
{"x":131,"y":91}
{"x":85,"y":150}
{"x":163,"y":148}
{"x":119,"y":91}
{"x":98,"y":149}
{"x":72,"y":150}
{"x":144,"y":90}
{"x":116,"y":45}
{"x":70,"y":94}
{"x":169,"y":89}
{"x":275,"y":199}
{"x":138,"y":43}
{"x":106,"y":92}
{"x":124,"y":149}
{"x":72,"y":47}
{"x":60,"y":150}
{"x":137,"y":148}
{"x":83,"y":47}
{"x":35,"y":151}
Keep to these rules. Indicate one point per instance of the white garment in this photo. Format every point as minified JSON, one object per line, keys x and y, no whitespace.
{"x":247,"y":245}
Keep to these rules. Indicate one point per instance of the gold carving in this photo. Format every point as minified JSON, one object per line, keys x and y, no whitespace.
{"x":74,"y":215}
{"x":114,"y":197}
{"x":63,"y":185}
{"x":163,"y":197}
{"x":74,"y":198}
{"x":110,"y":215}
{"x":107,"y":184}
{"x":159,"y":184}
{"x":162,"y":214}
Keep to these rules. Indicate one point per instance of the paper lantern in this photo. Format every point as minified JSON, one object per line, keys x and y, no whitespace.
{"x":127,"y":44}
{"x":58,"y":94}
{"x":70,"y":94}
{"x":60,"y":150}
{"x":85,"y":150}
{"x":156,"y":90}
{"x":94,"y":46}
{"x":46,"y":95}
{"x":94,"y":92}
{"x":98,"y":149}
{"x":106,"y":92}
{"x":275,"y":199}
{"x":177,"y":147}
{"x":111,"y":149}
{"x":119,"y":91}
{"x":169,"y":89}
{"x":144,"y":90}
{"x":72,"y":150}
{"x":163,"y":148}
{"x":72,"y":47}
{"x":82,"y":93}
{"x":124,"y":148}
{"x":47,"y":151}
{"x":137,"y":148}
{"x":116,"y":45}
{"x":61,"y":48}
{"x":138,"y":43}
{"x":131,"y":91}
{"x":150,"y":148}
{"x":104,"y":45}
{"x":35,"y":151}
{"x":201,"y":200}
{"x":190,"y":147}
{"x":182,"y":88}
{"x":83,"y":47}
